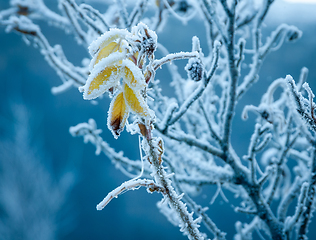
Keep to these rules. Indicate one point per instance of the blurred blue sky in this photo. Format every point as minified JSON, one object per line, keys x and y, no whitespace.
{"x":26,"y":78}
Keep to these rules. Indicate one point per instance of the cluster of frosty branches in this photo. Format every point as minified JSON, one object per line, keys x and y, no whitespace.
{"x":188,"y":143}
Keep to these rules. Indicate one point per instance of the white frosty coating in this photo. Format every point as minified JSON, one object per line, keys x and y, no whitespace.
{"x":113,"y":57}
{"x":268,"y":102}
{"x":168,"y":212}
{"x":123,"y":45}
{"x":91,"y":134}
{"x":247,"y":108}
{"x":183,"y":19}
{"x":126,"y":186}
{"x":63,"y":87}
{"x":189,"y":87}
{"x":194,"y":69}
{"x":21,"y":22}
{"x":246,"y":8}
{"x":264,"y":142}
{"x":283,"y":32}
{"x":300,"y":208}
{"x":111,"y":60}
{"x":106,"y":38}
{"x":168,"y":114}
{"x":139,"y":30}
{"x":137,"y":73}
{"x":268,"y":96}
{"x":38,"y":10}
{"x":196,"y":44}
{"x":174,"y":56}
{"x":244,"y":231}
{"x":309,"y":91}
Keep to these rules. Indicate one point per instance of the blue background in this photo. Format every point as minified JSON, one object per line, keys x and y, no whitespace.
{"x":26,"y":77}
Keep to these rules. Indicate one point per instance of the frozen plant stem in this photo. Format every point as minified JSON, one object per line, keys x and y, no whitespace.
{"x":84,"y":16}
{"x":199,"y":91}
{"x":126,"y":186}
{"x":233,"y":77}
{"x":209,"y":224}
{"x":310,"y":201}
{"x":262,"y":208}
{"x":187,"y":223}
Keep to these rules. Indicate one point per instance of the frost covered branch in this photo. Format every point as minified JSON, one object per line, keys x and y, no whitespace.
{"x":70,"y":75}
{"x":130,"y":185}
{"x":300,"y":102}
{"x":90,"y":133}
{"x":187,"y":131}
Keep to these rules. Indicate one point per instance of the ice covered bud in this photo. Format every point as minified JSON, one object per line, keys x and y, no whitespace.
{"x":144,"y":38}
{"x":194,"y":69}
{"x":293,"y":34}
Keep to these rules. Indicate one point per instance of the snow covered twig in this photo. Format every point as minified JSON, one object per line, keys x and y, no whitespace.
{"x":127,"y":186}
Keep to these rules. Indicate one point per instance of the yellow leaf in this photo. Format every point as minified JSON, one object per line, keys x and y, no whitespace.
{"x":118,"y":114}
{"x":106,"y":38}
{"x":106,"y":79}
{"x":107,"y":50}
{"x":135,"y":101}
{"x":133,"y":76}
{"x":128,"y":75}
{"x":112,"y":47}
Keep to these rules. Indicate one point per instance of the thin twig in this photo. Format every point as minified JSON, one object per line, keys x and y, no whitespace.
{"x":192,"y":141}
{"x":207,"y":221}
{"x":96,"y":14}
{"x":87,"y":20}
{"x":127,"y":186}
{"x":199,"y":90}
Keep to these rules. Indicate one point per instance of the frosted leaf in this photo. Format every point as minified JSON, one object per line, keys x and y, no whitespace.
{"x":105,"y":75}
{"x":135,"y":101}
{"x":132,"y":75}
{"x":104,"y":62}
{"x":117,"y":115}
{"x":97,"y":84}
{"x":106,"y":38}
{"x":111,"y":48}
